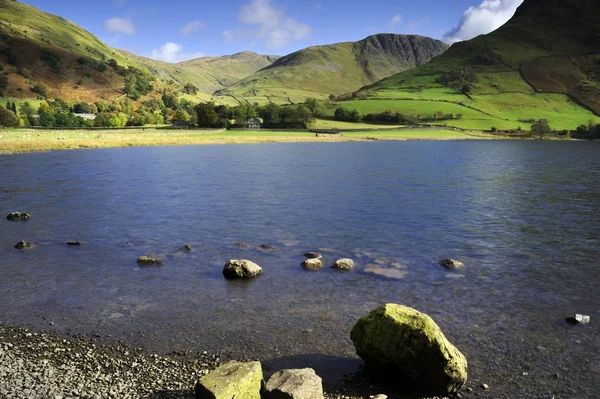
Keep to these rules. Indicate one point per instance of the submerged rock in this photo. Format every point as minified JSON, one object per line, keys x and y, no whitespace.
{"x":74,"y":243}
{"x":24,"y":216}
{"x":387,"y":272}
{"x":343,"y":264}
{"x":24,"y":245}
{"x":186,"y":247}
{"x":149,"y":261}
{"x":312,"y":255}
{"x":294,"y":384}
{"x":267,"y":247}
{"x":241,"y":269}
{"x":232,"y":380}
{"x":578,"y":319}
{"x":312,"y":264}
{"x":401,"y":343}
{"x":452,"y":264}
{"x":242,"y":244}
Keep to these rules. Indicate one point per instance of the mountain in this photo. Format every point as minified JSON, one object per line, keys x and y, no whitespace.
{"x":336,"y":69}
{"x":542,"y":64}
{"x":37,"y":47}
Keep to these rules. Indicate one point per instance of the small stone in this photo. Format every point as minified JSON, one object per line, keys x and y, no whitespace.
{"x":149,"y":261}
{"x":343,"y":264}
{"x":485,"y":386}
{"x":452,"y":264}
{"x":556,"y":375}
{"x":24,"y":245}
{"x":469,"y":389}
{"x":578,"y":319}
{"x":242,"y":244}
{"x":74,"y":243}
{"x":312,"y":255}
{"x":232,"y":380}
{"x":186,"y":247}
{"x":234,"y":269}
{"x":24,"y":216}
{"x":312,"y":264}
{"x":380,"y":396}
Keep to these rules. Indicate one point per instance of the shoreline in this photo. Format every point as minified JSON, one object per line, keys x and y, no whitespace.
{"x":18,"y":141}
{"x":47,"y":364}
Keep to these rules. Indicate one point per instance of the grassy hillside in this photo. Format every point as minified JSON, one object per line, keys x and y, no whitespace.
{"x":543,"y":64}
{"x":336,"y":69}
{"x":36,"y":47}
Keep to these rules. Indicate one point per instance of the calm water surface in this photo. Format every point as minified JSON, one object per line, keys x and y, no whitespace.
{"x":523,"y":216}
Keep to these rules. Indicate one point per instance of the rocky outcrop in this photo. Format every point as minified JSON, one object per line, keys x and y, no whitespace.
{"x":312,"y":264}
{"x":232,"y":380}
{"x":24,"y":216}
{"x":234,"y":269}
{"x":149,"y":261}
{"x":294,"y":384}
{"x":343,"y":264}
{"x":452,"y":264}
{"x":402,"y":343}
{"x":24,"y":245}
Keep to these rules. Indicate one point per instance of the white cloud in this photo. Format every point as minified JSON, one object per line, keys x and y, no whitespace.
{"x":485,"y":18}
{"x":173,"y":52}
{"x":192,"y":27}
{"x":120,"y":25}
{"x":274,"y":28}
{"x":396,"y":19}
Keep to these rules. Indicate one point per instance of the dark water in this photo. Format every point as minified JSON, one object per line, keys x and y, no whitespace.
{"x":523,"y":217}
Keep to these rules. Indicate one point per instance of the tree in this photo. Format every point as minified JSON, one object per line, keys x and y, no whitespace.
{"x":206,"y":115}
{"x":190,"y":89}
{"x":463,"y":80}
{"x":3,"y":84}
{"x":541,"y":127}
{"x":314,"y":106}
{"x":181,"y":115}
{"x":270,"y":113}
{"x":8,"y":118}
{"x":41,"y":89}
{"x":27,"y":110}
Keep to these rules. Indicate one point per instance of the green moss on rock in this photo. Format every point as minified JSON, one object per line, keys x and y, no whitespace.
{"x":403,"y":343}
{"x":232,"y":380}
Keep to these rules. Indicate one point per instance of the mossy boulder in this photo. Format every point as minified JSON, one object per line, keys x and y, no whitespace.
{"x":404,"y":344}
{"x":243,"y":268}
{"x":232,"y":380}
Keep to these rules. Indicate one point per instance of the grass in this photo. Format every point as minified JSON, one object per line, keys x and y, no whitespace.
{"x":28,"y":140}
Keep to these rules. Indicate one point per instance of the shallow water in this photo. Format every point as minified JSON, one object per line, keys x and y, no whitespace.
{"x":523,"y":217}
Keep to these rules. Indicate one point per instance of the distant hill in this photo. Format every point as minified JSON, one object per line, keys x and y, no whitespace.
{"x":543,"y":64}
{"x":336,"y":69}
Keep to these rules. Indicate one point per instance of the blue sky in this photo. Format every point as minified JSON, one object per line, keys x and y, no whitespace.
{"x":182,"y":29}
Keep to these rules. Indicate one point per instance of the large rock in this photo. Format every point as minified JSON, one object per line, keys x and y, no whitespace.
{"x":294,"y":384}
{"x":18,"y":216}
{"x":241,"y":269}
{"x":232,"y":380}
{"x":407,"y":345}
{"x":343,"y":264}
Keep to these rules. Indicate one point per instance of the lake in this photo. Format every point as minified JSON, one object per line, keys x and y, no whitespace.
{"x":522,"y":215}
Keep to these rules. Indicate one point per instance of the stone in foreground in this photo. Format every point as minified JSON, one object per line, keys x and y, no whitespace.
{"x":406,"y":345}
{"x":232,"y":380}
{"x":312,"y":264}
{"x":24,"y":245}
{"x":149,"y":261}
{"x":343,"y":264}
{"x":452,"y":264}
{"x":241,"y":269}
{"x":578,"y":319}
{"x":294,"y":384}
{"x":24,"y":216}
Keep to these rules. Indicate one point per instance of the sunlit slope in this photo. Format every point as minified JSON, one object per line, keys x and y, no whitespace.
{"x":336,"y":69}
{"x":543,"y":64}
